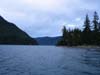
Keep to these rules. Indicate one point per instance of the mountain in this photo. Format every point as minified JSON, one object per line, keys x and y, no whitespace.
{"x":48,"y":40}
{"x":11,"y":34}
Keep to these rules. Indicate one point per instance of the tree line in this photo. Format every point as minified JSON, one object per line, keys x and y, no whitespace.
{"x":89,"y":35}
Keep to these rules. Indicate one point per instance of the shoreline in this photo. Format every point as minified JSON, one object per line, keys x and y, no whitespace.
{"x":82,"y":46}
{"x":88,"y":46}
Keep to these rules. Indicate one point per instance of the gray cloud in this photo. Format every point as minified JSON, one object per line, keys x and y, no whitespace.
{"x":47,"y":17}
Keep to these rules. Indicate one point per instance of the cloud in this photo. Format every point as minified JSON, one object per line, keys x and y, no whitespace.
{"x":47,"y":17}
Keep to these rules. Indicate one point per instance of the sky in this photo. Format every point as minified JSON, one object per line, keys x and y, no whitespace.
{"x":47,"y":17}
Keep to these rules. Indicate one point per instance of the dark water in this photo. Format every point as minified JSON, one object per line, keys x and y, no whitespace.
{"x":48,"y":60}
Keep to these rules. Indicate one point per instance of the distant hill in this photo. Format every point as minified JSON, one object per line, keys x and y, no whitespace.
{"x":48,"y":40}
{"x":11,"y":34}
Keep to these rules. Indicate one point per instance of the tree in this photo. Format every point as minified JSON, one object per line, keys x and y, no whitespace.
{"x":99,"y":26}
{"x":87,"y":25}
{"x":76,"y":37}
{"x":95,"y":22}
{"x":86,"y":37}
{"x":70,"y":37}
{"x":64,"y":33}
{"x":95,"y":33}
{"x":87,"y":31}
{"x":64,"y":39}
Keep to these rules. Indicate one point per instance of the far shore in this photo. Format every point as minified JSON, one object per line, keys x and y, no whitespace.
{"x":87,"y":46}
{"x":83,"y":46}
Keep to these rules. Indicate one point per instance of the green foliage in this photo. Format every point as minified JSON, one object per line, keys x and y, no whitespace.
{"x":88,"y":36}
{"x":72,"y":37}
{"x":96,"y":30}
{"x":64,"y":33}
{"x":95,"y":22}
{"x":87,"y":25}
{"x":62,"y":43}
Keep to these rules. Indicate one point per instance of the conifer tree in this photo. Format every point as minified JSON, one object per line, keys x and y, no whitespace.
{"x":87,"y":25}
{"x":95,"y":22}
{"x":87,"y":31}
{"x":64,"y":39}
{"x":99,"y":26}
{"x":86,"y":37}
{"x":95,"y":33}
{"x":64,"y":33}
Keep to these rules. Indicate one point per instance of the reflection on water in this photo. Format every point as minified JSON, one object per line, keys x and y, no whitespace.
{"x":48,"y":60}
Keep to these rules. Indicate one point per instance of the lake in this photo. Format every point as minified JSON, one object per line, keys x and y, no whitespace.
{"x":49,"y":60}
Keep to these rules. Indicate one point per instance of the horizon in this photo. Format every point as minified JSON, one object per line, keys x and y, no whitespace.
{"x":47,"y":17}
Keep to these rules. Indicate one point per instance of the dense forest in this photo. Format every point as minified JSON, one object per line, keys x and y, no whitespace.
{"x":89,"y":35}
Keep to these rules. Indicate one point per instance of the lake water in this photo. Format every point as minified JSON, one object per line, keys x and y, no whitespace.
{"x":48,"y":60}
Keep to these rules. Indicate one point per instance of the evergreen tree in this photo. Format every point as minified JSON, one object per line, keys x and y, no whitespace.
{"x":86,"y":37}
{"x":77,"y":37}
{"x":99,"y":26}
{"x":95,"y":22}
{"x":95,"y":33}
{"x":87,"y":31}
{"x":99,"y":35}
{"x":64,"y":33}
{"x":87,"y":25}
{"x":63,"y":41}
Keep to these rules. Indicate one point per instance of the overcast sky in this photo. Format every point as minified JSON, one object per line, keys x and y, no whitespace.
{"x":47,"y":17}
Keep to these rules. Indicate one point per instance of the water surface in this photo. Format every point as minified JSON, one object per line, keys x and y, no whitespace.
{"x":48,"y":60}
